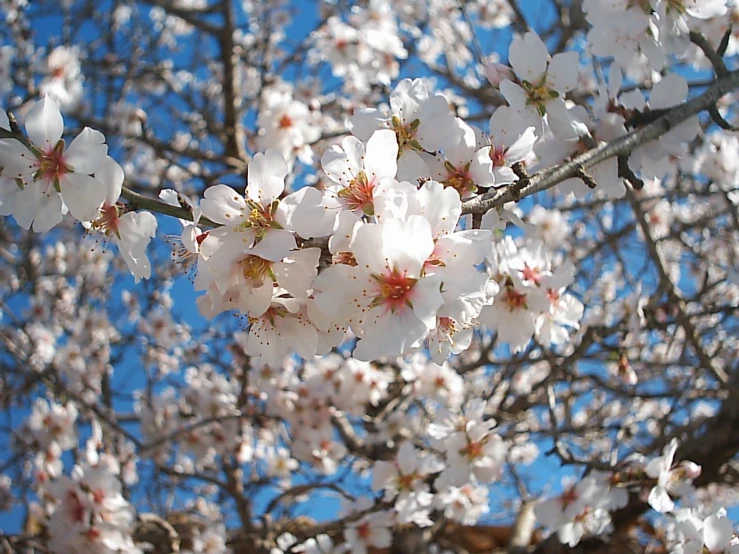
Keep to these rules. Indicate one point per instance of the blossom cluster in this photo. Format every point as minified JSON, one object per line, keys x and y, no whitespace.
{"x":42,"y":179}
{"x":389,"y":331}
{"x":584,"y":507}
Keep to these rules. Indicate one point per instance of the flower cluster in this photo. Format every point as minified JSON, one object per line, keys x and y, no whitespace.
{"x":42,"y":179}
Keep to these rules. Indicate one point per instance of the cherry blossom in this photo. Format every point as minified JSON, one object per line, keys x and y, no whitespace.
{"x":54,"y":177}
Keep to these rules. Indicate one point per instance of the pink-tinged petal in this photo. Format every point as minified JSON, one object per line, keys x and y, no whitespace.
{"x":44,"y":124}
{"x":717,"y":533}
{"x":110,"y":174}
{"x":528,"y":56}
{"x":380,"y":160}
{"x":266,"y":177}
{"x":223,"y":205}
{"x":563,"y":70}
{"x":87,"y":152}
{"x":83,"y":195}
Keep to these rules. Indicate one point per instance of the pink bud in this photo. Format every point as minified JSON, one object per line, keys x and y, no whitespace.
{"x":498,"y":72}
{"x":691,"y":469}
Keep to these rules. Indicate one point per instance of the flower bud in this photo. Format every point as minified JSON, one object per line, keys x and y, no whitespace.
{"x":498,"y":72}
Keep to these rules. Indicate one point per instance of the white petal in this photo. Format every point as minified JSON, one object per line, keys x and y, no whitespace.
{"x":514,"y":95}
{"x":528,"y":56}
{"x":224,"y":205}
{"x":717,"y":532}
{"x":47,"y":213}
{"x":275,"y":245}
{"x":83,"y":195}
{"x":660,"y":500}
{"x":266,"y":177}
{"x":367,"y":247}
{"x":406,"y":244}
{"x":380,"y":161}
{"x":562,"y":71}
{"x":136,"y":229}
{"x":303,"y":213}
{"x":44,"y":123}
{"x":110,"y":174}
{"x":87,"y":151}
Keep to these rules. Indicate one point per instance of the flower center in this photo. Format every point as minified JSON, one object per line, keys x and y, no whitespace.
{"x":446,"y":326}
{"x":51,"y":164}
{"x":405,"y":482}
{"x":676,"y":6}
{"x":346,"y":258}
{"x":268,"y":317}
{"x":285,"y":122}
{"x":515,"y":300}
{"x":569,"y":496}
{"x":531,"y":274}
{"x":394,"y":290}
{"x":255,"y":269}
{"x":363,"y":530}
{"x":539,"y":94}
{"x":107,"y":221}
{"x":473,"y":450}
{"x":76,"y":509}
{"x":358,"y":194}
{"x":260,"y":219}
{"x":406,"y":134}
{"x":459,"y":178}
{"x":497,"y":156}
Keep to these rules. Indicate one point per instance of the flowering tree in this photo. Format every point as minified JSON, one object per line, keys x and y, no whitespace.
{"x":482,"y":256}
